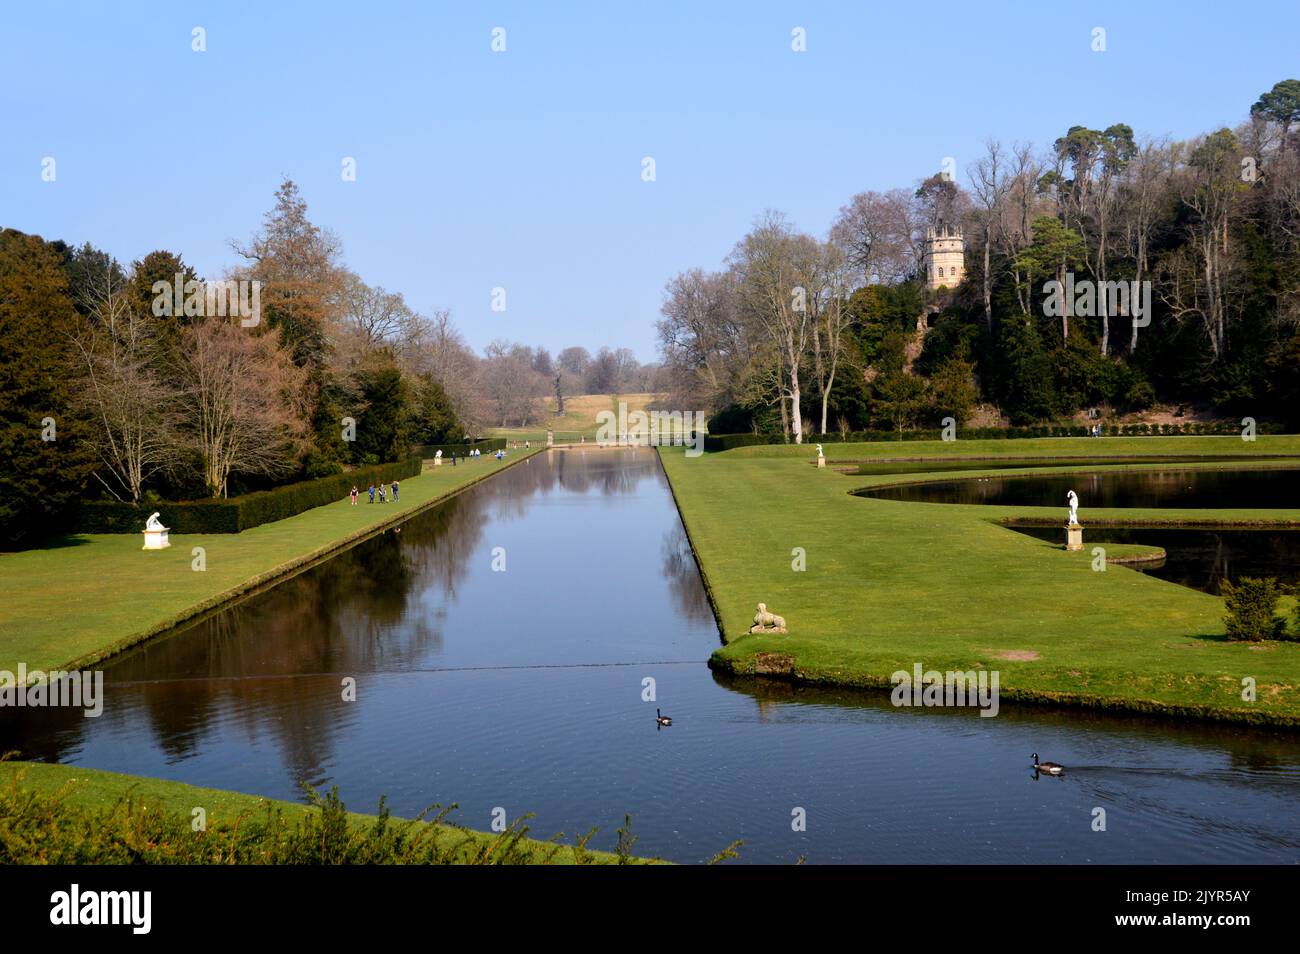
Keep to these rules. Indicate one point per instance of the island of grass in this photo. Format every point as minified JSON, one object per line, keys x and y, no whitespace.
{"x":889,"y":584}
{"x":82,"y":598}
{"x":66,"y":814}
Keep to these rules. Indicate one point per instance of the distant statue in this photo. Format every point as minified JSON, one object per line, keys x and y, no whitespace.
{"x":153,"y":523}
{"x":437,"y":454}
{"x":765,"y":622}
{"x":819,"y":451}
{"x":1073,"y":500}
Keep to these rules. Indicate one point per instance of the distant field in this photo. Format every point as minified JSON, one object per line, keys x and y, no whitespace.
{"x":578,"y":419}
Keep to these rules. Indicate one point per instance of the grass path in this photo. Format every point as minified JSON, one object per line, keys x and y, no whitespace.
{"x":85,"y":597}
{"x":889,"y":584}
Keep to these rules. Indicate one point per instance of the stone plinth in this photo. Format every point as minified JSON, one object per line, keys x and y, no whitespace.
{"x":1073,"y":537}
{"x":550,"y":439}
{"x":155,"y":539}
{"x":821,"y":461}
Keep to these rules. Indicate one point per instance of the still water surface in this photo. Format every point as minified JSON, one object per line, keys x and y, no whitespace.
{"x":523,"y":689}
{"x":1193,"y":489}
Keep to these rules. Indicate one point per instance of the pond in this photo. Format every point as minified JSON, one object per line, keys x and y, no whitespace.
{"x":918,"y":466}
{"x":1191,"y":489}
{"x":523,"y":688}
{"x":1202,"y":559}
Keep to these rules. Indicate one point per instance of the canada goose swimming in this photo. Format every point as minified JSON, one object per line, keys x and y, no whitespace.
{"x":662,"y":719}
{"x":1047,"y":768}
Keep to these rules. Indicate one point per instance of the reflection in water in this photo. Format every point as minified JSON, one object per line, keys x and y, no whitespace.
{"x":524,"y":688}
{"x":1193,"y":489}
{"x":1202,"y":559}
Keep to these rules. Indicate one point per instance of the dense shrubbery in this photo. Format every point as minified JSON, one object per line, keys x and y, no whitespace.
{"x":721,"y":442}
{"x":238,"y":513}
{"x":485,"y":445}
{"x":1252,"y":609}
{"x":39,"y":828}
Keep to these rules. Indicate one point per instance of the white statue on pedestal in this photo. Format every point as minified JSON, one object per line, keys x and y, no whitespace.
{"x":819,"y":451}
{"x":155,"y":534}
{"x":1073,"y":500}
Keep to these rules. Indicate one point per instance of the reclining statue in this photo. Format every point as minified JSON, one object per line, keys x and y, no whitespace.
{"x":765,"y":622}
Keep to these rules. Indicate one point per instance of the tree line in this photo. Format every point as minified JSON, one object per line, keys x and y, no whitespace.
{"x":142,"y":381}
{"x":1187,"y":255}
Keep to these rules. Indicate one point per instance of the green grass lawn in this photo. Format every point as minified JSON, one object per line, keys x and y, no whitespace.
{"x":101,"y":798}
{"x":83,"y":597}
{"x":578,"y":419}
{"x":889,"y":584}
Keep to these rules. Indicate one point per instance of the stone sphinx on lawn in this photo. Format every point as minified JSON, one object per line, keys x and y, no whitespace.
{"x":765,"y":622}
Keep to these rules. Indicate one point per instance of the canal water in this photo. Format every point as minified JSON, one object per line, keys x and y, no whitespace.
{"x":501,"y":646}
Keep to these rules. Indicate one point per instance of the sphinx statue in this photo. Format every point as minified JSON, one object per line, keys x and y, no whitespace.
{"x":765,"y":622}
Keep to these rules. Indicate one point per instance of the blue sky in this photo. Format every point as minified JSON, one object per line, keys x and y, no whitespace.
{"x":522,"y":169}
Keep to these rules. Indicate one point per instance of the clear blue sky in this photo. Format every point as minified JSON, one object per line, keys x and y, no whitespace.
{"x":522,"y":169}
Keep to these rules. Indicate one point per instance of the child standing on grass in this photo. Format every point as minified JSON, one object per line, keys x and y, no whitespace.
{"x":355,"y":493}
{"x":394,"y":491}
{"x":381,"y":493}
{"x":372,"y":493}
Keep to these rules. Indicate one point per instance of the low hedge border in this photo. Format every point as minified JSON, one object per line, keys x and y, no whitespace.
{"x":427,"y":451}
{"x":722,"y":442}
{"x":238,"y":513}
{"x":277,"y":574}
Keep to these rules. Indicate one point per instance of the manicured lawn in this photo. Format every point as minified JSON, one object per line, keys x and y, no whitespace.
{"x":889,"y":584}
{"x":578,"y":419}
{"x":83,"y":597}
{"x":92,"y":790}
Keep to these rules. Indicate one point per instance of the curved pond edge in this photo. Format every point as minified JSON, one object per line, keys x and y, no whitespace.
{"x":277,"y":574}
{"x":780,"y":667}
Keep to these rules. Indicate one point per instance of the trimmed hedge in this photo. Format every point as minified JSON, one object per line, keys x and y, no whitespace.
{"x":486,"y":444}
{"x":722,"y":442}
{"x":238,"y":513}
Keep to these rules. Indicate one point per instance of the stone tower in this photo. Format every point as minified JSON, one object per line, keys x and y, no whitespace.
{"x":945,"y":257}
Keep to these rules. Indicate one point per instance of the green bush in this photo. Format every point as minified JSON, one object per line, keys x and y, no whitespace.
{"x":239,"y":513}
{"x":1252,"y":609}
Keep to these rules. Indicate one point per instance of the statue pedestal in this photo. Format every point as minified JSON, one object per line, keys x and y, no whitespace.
{"x":821,"y":461}
{"x":437,"y":462}
{"x":155,"y":539}
{"x":550,"y":438}
{"x":1073,"y":537}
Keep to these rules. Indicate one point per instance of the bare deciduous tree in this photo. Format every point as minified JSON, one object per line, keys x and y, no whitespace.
{"x":241,"y":398}
{"x":123,"y":395}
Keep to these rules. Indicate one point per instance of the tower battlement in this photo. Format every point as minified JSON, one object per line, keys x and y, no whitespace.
{"x":945,"y":256}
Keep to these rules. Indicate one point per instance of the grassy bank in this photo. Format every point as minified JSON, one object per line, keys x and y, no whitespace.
{"x":578,"y":420}
{"x":82,"y":598}
{"x":888,"y":584}
{"x":64,"y":814}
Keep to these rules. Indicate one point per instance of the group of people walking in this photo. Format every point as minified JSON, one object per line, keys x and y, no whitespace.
{"x":373,"y":489}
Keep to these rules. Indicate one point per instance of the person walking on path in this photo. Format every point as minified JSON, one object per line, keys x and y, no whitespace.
{"x":394,"y":491}
{"x":372,"y":493}
{"x":354,"y":494}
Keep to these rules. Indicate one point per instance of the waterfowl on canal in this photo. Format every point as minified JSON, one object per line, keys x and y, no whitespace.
{"x":1047,"y":768}
{"x":662,"y":719}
